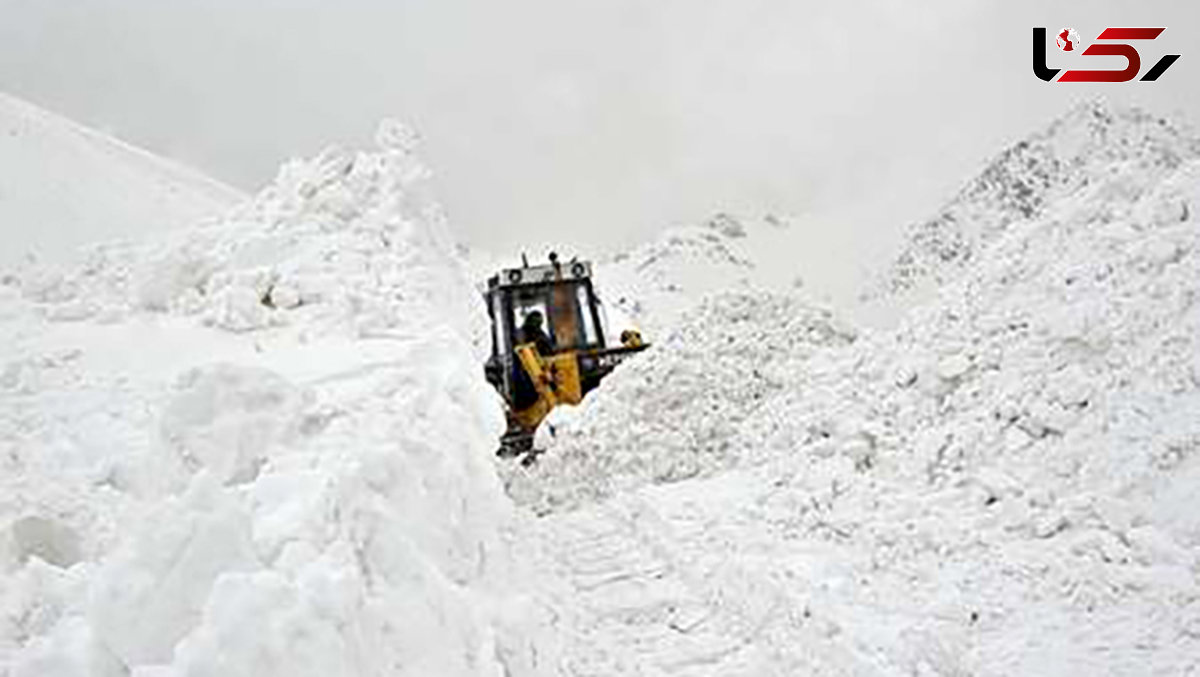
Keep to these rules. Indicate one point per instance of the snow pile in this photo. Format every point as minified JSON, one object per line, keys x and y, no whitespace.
{"x":672,"y":412}
{"x":1092,"y":142}
{"x":63,"y":185}
{"x":260,"y":448}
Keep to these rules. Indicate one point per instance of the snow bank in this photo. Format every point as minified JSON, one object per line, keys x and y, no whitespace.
{"x":292,"y":478}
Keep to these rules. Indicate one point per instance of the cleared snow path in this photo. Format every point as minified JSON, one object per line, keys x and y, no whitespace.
{"x":672,"y":581}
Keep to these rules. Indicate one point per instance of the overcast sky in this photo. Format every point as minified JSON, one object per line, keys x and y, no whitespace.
{"x":594,"y":122}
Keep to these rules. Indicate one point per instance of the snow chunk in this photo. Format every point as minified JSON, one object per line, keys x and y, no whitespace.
{"x":47,"y":539}
{"x":151,"y":595}
{"x":224,"y":419}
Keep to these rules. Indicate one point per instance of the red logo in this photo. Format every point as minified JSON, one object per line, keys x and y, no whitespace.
{"x":1068,"y":40}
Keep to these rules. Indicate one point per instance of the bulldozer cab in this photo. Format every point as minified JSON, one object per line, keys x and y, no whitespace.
{"x":561,"y":293}
{"x":534,"y":365}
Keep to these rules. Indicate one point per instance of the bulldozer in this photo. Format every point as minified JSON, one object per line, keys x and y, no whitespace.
{"x":548,"y":344}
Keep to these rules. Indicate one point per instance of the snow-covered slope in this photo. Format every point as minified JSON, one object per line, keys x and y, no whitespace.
{"x":1092,"y":142}
{"x":63,"y":185}
{"x":259,"y":447}
{"x":1004,"y":484}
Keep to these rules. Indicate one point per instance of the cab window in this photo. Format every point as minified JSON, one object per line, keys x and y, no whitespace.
{"x":526,"y":301}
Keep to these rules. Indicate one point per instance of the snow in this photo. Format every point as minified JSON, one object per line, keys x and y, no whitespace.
{"x":63,"y":185}
{"x":673,"y":411}
{"x":263,"y":446}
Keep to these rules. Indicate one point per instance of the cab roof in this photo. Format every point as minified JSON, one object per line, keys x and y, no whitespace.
{"x":543,"y":274}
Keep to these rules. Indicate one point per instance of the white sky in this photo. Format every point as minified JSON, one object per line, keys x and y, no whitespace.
{"x":595,"y":122}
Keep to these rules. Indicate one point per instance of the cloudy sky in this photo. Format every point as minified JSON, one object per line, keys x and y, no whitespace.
{"x":595,"y":122}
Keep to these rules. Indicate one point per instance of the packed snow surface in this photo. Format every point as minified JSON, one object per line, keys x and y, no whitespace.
{"x":63,"y":185}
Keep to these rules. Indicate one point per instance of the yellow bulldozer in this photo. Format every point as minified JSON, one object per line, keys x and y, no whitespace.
{"x":548,"y":344}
